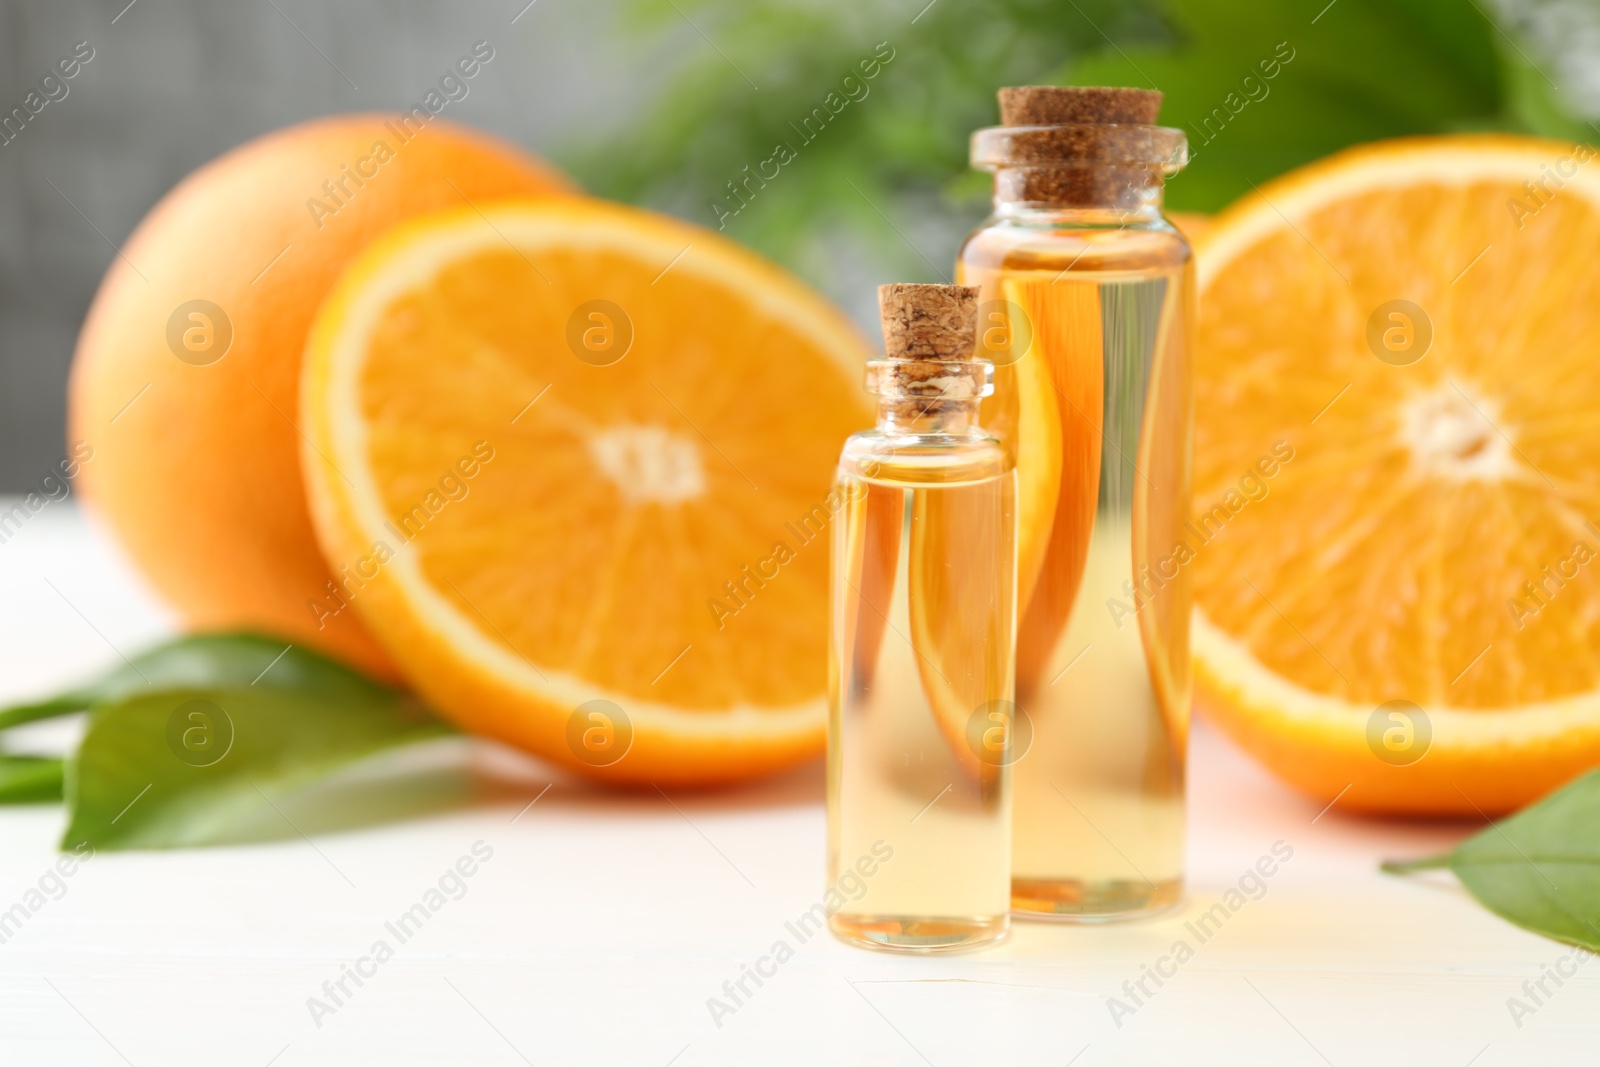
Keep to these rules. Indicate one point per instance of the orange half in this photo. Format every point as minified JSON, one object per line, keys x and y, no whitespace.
{"x":1397,"y":473}
{"x":573,"y":463}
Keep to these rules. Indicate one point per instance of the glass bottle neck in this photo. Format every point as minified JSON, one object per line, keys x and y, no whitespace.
{"x":901,"y":416}
{"x":928,"y":397}
{"x":1078,"y":194}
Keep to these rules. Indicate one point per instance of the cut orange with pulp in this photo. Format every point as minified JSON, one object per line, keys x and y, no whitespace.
{"x":1397,"y":474}
{"x":572,"y":464}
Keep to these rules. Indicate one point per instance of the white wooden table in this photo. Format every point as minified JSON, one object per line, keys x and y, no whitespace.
{"x":602,"y":923}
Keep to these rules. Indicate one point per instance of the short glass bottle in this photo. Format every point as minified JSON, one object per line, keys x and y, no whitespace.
{"x":1087,"y":293}
{"x":923,"y":612}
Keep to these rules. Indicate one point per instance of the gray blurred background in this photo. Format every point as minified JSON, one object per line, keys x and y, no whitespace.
{"x":174,"y":83}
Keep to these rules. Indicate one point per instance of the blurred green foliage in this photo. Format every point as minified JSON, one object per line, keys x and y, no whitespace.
{"x":1364,"y":71}
{"x":889,"y":171}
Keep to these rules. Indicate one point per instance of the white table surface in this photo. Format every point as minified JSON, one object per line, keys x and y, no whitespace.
{"x":603,"y":922}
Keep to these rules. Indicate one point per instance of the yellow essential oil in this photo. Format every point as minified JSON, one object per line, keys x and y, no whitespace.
{"x":1087,"y":307}
{"x":923,"y":614}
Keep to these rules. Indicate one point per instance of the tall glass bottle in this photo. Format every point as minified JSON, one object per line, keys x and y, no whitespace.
{"x":922,"y":646}
{"x":1087,"y":308}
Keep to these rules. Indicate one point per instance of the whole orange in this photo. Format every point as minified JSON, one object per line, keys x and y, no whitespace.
{"x":185,"y":383}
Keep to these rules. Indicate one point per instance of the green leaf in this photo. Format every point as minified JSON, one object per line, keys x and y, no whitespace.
{"x":198,"y":736}
{"x":1540,"y":868}
{"x":29,"y":779}
{"x":1367,"y":70}
{"x":200,"y":661}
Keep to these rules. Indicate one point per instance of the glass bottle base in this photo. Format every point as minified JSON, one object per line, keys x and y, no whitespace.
{"x":896,"y":933}
{"x":1072,"y":900}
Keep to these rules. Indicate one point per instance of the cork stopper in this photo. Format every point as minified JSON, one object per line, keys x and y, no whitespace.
{"x":928,"y":322}
{"x":1073,"y":105}
{"x":930,"y":371}
{"x":1078,"y":146}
